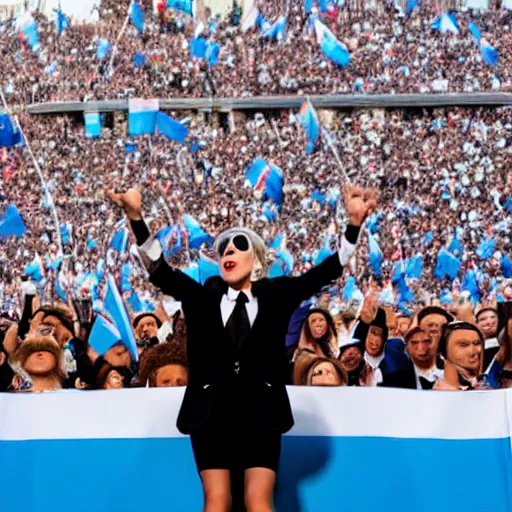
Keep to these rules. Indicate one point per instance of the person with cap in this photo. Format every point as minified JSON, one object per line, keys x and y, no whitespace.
{"x":40,"y":362}
{"x":462,"y":348}
{"x":236,"y":407}
{"x":422,"y":371}
{"x":164,"y":365}
{"x":487,"y":321}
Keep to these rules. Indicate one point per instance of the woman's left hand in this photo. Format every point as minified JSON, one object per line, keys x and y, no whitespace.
{"x":359,"y":203}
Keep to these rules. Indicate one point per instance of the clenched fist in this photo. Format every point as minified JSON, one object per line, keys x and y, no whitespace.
{"x":130,"y":201}
{"x":359,"y":203}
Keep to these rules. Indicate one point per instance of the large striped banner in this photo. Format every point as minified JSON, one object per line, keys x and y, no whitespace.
{"x":352,"y":450}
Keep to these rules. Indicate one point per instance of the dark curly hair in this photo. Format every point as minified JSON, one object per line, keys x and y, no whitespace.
{"x":157,"y":357}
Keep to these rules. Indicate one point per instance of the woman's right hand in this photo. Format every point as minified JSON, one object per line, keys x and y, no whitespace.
{"x":130,"y":201}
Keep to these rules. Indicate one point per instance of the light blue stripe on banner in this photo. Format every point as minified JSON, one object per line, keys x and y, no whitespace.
{"x":317,"y":474}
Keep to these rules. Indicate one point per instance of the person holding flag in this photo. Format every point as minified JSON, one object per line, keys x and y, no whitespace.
{"x":236,"y":407}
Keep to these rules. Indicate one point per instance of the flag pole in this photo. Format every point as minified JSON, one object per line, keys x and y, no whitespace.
{"x":328,"y":140}
{"x":119,"y":37}
{"x":274,"y":124}
{"x":39,"y":172}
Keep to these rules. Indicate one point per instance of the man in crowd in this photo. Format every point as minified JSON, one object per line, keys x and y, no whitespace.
{"x":487,"y":320}
{"x":462,"y":349}
{"x":431,"y":320}
{"x":422,"y":371}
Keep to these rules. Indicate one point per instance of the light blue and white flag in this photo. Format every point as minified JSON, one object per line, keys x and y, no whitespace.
{"x":11,"y":223}
{"x":137,"y":16}
{"x":277,"y":30}
{"x":411,"y":431}
{"x":116,"y":309}
{"x":331,"y":47}
{"x":142,"y":116}
{"x":182,"y":5}
{"x":446,"y":23}
{"x":102,"y":49}
{"x":104,"y":335}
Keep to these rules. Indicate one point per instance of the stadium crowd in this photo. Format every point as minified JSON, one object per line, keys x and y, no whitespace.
{"x":443,"y":176}
{"x":443,"y":181}
{"x":391,"y":51}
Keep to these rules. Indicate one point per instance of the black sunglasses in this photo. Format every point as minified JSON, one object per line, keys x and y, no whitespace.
{"x":241,"y":242}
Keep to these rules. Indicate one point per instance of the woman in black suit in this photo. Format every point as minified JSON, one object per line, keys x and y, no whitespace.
{"x":236,"y":407}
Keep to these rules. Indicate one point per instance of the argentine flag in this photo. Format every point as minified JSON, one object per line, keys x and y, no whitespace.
{"x":489,"y":53}
{"x":331,"y":47}
{"x":142,"y":116}
{"x":446,"y":23}
{"x":408,"y":434}
{"x":276,"y":31}
{"x":309,"y":121}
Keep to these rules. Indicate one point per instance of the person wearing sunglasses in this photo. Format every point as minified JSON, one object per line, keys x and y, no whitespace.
{"x":236,"y":407}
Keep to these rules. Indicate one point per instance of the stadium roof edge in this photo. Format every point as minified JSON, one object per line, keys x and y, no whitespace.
{"x":283,"y":102}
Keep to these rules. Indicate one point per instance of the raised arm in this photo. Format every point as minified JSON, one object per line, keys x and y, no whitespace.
{"x":359,"y":203}
{"x":170,"y":281}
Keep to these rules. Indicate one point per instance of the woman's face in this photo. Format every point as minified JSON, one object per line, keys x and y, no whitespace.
{"x":40,"y":363}
{"x":351,"y":359}
{"x":317,"y":325}
{"x":236,"y":260}
{"x":325,"y":374}
{"x":114,"y":380}
{"x":488,"y":323}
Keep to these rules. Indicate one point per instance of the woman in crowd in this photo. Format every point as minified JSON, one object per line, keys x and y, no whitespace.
{"x":39,"y":363}
{"x":236,"y":407}
{"x":318,"y":336}
{"x":313,"y":370}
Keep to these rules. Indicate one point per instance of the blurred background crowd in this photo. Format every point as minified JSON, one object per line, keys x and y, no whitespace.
{"x":392,"y":50}
{"x":437,"y":250}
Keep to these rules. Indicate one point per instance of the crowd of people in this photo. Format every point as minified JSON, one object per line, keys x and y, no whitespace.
{"x":444,"y":183}
{"x":443,"y":177}
{"x":391,"y":51}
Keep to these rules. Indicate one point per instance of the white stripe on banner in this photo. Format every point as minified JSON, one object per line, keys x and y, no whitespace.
{"x":136,"y":105}
{"x":345,"y":412}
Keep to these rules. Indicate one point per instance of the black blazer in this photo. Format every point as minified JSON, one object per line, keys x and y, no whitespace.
{"x":256,"y":396}
{"x":404,"y":379}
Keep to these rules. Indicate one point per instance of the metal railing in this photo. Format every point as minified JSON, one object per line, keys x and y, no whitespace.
{"x":348,"y":101}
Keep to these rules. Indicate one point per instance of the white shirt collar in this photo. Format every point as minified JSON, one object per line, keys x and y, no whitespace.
{"x":233,"y":294}
{"x":491,"y":343}
{"x":374,"y":362}
{"x":431,"y":374}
